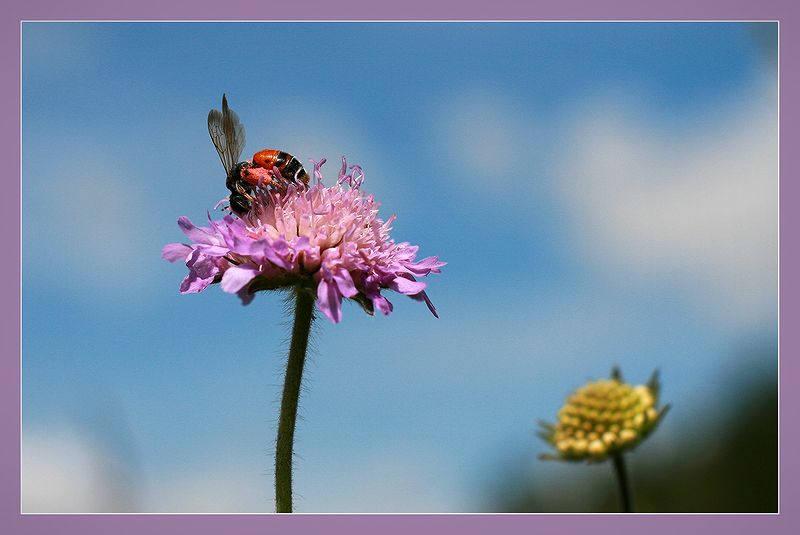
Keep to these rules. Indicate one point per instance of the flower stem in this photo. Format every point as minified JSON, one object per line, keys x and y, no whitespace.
{"x":303,"y":316}
{"x":625,"y":497}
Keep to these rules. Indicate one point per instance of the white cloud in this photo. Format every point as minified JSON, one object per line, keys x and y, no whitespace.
{"x":483,"y":133}
{"x":692,"y":204}
{"x":211,"y":487}
{"x":394,"y":479}
{"x":386,"y":481}
{"x":65,"y":471}
{"x":695,"y":205}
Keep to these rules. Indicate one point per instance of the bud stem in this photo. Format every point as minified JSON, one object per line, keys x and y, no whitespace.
{"x":303,"y":316}
{"x":625,"y":497}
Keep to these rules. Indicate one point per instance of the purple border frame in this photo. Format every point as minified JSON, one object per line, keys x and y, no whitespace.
{"x":785,"y":11}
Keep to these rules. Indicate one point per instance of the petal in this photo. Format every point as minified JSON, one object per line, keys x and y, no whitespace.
{"x":301,"y":243}
{"x":382,"y":304}
{"x":172,"y":252}
{"x":329,"y":300}
{"x":202,"y":265}
{"x":245,"y":245}
{"x":205,"y":267}
{"x":345,"y":283}
{"x":278,"y":253}
{"x":193,"y":284}
{"x":426,"y":266}
{"x":194,"y":233}
{"x":309,"y":259}
{"x":235,"y":278}
{"x":406,"y":286}
{"x":213,"y":250}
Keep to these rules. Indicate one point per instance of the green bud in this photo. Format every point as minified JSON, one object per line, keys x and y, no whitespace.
{"x":604,"y":417}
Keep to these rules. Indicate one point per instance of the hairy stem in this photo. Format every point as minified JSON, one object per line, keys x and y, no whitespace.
{"x":303,"y":316}
{"x":625,"y":497}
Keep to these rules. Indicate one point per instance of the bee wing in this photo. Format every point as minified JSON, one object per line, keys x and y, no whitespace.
{"x":227,"y":135}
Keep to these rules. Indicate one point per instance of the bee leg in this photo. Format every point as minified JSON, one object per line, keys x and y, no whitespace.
{"x":246,"y":194}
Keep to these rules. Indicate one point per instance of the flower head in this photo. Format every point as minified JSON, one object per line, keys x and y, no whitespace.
{"x":328,"y":240}
{"x":602,"y":418}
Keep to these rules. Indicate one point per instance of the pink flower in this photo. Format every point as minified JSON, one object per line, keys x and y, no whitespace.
{"x":329,"y":240}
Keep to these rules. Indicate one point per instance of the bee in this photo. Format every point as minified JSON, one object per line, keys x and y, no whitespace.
{"x":288,"y":166}
{"x":228,"y":136}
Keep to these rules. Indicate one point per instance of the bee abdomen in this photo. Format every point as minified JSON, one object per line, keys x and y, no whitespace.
{"x":293,"y":169}
{"x":289,"y":166}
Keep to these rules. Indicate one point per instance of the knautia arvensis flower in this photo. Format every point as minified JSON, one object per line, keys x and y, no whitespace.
{"x":602,"y":418}
{"x":284,"y":231}
{"x":328,"y":240}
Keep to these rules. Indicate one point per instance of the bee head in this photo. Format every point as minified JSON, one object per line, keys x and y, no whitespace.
{"x":239,"y":167}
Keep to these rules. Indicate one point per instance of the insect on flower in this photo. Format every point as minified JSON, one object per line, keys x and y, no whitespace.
{"x":324,"y":244}
{"x":228,"y":136}
{"x":284,"y":232}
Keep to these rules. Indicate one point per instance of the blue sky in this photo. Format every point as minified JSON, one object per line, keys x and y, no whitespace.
{"x":603,"y":193}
